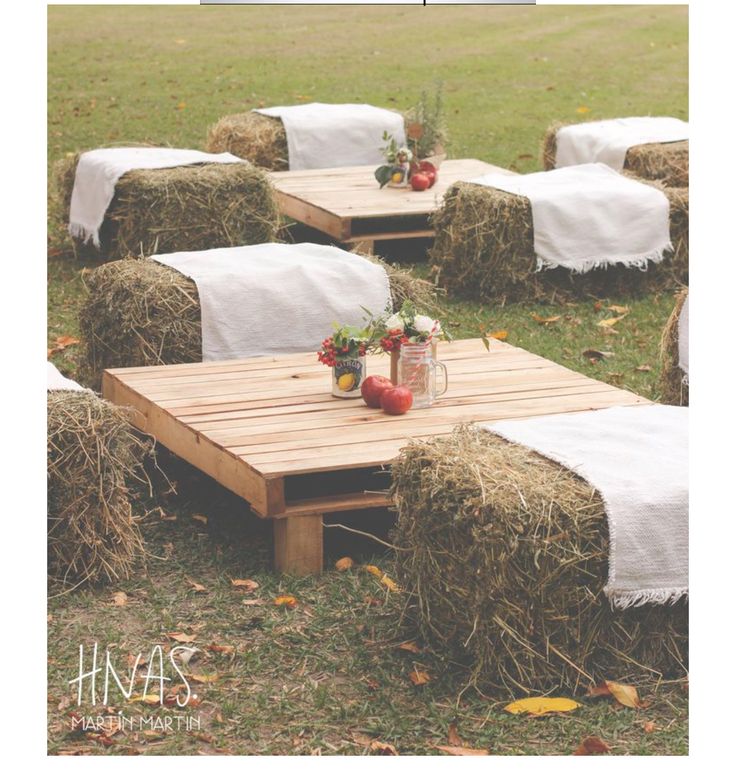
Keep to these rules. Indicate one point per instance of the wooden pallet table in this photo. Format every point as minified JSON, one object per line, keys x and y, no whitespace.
{"x":346,"y":203}
{"x":269,"y":430}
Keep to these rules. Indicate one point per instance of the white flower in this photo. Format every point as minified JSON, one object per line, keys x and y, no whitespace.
{"x":395,"y":322}
{"x":424,"y":324}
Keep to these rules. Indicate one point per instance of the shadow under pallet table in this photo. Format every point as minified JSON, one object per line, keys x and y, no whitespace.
{"x":269,"y":430}
{"x":347,"y":205}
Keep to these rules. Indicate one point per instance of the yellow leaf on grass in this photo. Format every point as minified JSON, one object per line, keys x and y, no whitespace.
{"x":244,"y":583}
{"x":341,"y":565}
{"x":382,"y":748}
{"x":196,"y":587}
{"x":545,"y":320}
{"x":609,"y":321}
{"x":373,"y":570}
{"x":452,"y":750}
{"x":541,"y":705}
{"x":582,"y":109}
{"x":381,"y":575}
{"x":285,"y":600}
{"x":419,"y":677}
{"x":618,"y":309}
{"x":119,"y":599}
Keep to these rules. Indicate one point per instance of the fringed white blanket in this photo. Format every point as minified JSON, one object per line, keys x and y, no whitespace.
{"x":98,"y":172}
{"x":588,"y":216}
{"x":56,"y":381}
{"x":683,"y":340}
{"x":637,"y":459}
{"x":608,"y":141}
{"x":274,"y":299}
{"x":320,"y":135}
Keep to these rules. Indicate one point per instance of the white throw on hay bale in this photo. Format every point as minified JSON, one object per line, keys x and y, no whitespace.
{"x":314,"y":135}
{"x":577,"y":230}
{"x":674,"y":353}
{"x":93,"y":458}
{"x":230,"y":303}
{"x":653,"y":148}
{"x":135,"y":201}
{"x":538,"y":577}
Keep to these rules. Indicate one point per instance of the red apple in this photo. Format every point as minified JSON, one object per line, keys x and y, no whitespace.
{"x":397,"y":400}
{"x":372,"y":388}
{"x":419,"y":182}
{"x":428,"y":168}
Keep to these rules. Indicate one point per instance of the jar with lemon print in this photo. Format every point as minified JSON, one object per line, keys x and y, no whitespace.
{"x":344,"y":352}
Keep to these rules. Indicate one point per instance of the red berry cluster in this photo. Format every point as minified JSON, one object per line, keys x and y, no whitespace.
{"x":393,"y":340}
{"x":330,"y":352}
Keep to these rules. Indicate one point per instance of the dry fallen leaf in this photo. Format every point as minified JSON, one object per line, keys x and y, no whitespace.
{"x":226,"y":649}
{"x":648,"y":726}
{"x":419,"y":677}
{"x":500,"y":335}
{"x":453,"y":750}
{"x":618,"y":309}
{"x":166,"y":517}
{"x":541,"y":705}
{"x":181,"y":636}
{"x":149,"y":698}
{"x":625,"y":695}
{"x":341,"y":565}
{"x":203,"y":678}
{"x":592,"y":745}
{"x":644,"y":368}
{"x":198,"y":588}
{"x":453,"y":738}
{"x":381,"y":575}
{"x":253,"y":602}
{"x":244,"y":583}
{"x":382,"y":748}
{"x":545,"y":320}
{"x":119,"y":599}
{"x":582,"y":109}
{"x":285,"y":600}
{"x":199,"y":517}
{"x":411,"y":646}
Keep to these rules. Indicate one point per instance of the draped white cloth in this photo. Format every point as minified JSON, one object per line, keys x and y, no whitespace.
{"x":636,"y":457}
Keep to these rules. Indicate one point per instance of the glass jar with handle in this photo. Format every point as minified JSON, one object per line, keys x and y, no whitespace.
{"x":418,"y":371}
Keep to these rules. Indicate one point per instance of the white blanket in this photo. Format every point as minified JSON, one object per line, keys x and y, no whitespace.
{"x":588,"y":216}
{"x":98,"y":172}
{"x":683,"y":339}
{"x":637,"y":459}
{"x":274,"y":299}
{"x":608,"y":141}
{"x":56,"y":381}
{"x":319,"y":135}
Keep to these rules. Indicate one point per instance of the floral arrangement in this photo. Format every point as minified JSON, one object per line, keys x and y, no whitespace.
{"x":406,"y":326}
{"x":348,"y":342}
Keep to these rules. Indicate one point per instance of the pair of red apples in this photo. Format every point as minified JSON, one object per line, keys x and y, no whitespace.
{"x":380,"y":392}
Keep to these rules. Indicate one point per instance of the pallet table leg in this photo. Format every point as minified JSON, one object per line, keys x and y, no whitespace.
{"x":366,"y":246}
{"x":297,"y":543}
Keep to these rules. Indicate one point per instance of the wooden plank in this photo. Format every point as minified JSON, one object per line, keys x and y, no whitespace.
{"x":297,"y":544}
{"x":337,"y":504}
{"x":390,"y":235}
{"x":230,"y":470}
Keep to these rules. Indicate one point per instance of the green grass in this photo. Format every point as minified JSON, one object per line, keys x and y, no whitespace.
{"x":309,"y":679}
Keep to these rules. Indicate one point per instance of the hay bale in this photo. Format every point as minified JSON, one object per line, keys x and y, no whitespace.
{"x":505,"y":554}
{"x":259,"y":139}
{"x":93,"y":456}
{"x":262,"y":139}
{"x":674,"y":389}
{"x":667,"y":162}
{"x":194,"y":207}
{"x":484,"y":249}
{"x":140,"y":313}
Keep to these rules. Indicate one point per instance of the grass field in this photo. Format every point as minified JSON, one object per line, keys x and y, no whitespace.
{"x":324,"y":676}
